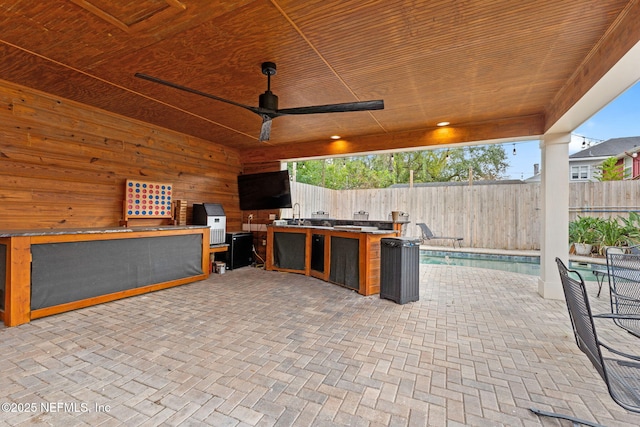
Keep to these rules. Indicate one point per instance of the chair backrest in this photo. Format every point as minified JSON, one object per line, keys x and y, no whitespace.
{"x":426,"y":232}
{"x":624,"y":270}
{"x":580,"y":314}
{"x":624,"y":286}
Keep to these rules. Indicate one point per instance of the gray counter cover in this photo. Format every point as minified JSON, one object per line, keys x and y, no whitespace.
{"x":289,"y":250}
{"x":73,"y":271}
{"x":345,"y":265}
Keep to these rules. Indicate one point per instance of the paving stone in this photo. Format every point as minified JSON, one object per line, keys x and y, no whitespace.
{"x":257,"y":348}
{"x":246,"y":415}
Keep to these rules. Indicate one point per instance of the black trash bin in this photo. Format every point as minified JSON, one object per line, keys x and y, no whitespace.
{"x":400,"y":269}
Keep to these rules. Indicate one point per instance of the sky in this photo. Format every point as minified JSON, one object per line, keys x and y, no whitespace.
{"x":619,"y":119}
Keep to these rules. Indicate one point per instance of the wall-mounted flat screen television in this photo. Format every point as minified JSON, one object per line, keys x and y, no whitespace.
{"x":267,"y":190}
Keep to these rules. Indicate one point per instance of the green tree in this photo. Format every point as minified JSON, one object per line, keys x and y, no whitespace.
{"x":381,"y":170}
{"x":427,"y":166}
{"x":308,"y":172}
{"x":488,"y":162}
{"x":610,"y":170}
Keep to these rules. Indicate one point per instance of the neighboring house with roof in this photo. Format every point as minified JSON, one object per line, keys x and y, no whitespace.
{"x":535,"y":178}
{"x":631,"y":161}
{"x":583,"y":165}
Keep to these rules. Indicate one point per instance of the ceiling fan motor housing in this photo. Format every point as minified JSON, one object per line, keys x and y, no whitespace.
{"x":268,"y":101}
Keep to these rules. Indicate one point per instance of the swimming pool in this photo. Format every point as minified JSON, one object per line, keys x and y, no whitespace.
{"x":522,"y":264}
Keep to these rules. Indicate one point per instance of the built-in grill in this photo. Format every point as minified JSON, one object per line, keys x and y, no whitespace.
{"x":211,"y":214}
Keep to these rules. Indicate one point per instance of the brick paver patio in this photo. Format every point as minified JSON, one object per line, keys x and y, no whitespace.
{"x":256,"y":348}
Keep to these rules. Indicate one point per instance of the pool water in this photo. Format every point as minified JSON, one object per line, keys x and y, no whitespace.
{"x":512,"y":263}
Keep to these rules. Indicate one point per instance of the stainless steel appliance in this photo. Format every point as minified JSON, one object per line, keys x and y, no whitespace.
{"x":211,"y":214}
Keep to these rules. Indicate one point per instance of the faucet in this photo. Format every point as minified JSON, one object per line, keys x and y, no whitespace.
{"x":299,"y":214}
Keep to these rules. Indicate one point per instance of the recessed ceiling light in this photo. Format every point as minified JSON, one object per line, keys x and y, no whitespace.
{"x":335,"y":137}
{"x":442,"y":124}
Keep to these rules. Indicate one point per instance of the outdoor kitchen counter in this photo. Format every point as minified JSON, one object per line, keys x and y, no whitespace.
{"x":345,"y":255}
{"x":46,"y":272}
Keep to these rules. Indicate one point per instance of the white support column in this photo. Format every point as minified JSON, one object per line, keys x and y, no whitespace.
{"x":554,"y":192}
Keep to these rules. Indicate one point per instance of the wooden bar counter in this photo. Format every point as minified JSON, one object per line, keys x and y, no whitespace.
{"x":47,"y":272}
{"x":345,"y":255}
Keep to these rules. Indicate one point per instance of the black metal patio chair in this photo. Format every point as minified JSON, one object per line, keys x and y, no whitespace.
{"x":624,"y":287}
{"x":601,"y":272}
{"x":620,"y":374}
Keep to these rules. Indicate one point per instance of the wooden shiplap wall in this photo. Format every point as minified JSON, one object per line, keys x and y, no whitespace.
{"x":504,"y":216}
{"x":64,"y":164}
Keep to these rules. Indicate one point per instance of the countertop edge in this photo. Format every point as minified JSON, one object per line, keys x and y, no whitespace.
{"x":106,"y":230}
{"x":332,"y":229}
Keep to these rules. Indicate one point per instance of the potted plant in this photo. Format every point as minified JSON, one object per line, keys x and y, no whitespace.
{"x":610,"y":233}
{"x":582,"y":234}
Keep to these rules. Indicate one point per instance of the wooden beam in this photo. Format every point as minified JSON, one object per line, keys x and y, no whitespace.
{"x":621,"y":37}
{"x":515,"y":127}
{"x":102,"y":14}
{"x":176,"y":4}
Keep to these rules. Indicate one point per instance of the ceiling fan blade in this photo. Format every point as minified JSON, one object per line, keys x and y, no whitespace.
{"x":265,"y":131}
{"x":268,"y":102}
{"x":336,"y":108}
{"x":195,"y":91}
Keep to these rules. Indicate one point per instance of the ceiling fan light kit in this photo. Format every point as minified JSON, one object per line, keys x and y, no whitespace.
{"x":268,"y":102}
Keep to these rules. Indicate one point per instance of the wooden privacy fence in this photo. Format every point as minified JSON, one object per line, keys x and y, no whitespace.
{"x":499,"y":216}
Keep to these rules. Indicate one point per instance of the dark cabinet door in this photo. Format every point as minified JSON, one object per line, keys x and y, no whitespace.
{"x":345,"y":255}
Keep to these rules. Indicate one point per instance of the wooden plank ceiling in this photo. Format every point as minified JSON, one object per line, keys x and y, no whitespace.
{"x":492,"y":68}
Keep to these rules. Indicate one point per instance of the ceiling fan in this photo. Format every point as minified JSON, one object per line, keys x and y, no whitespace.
{"x":268,"y":102}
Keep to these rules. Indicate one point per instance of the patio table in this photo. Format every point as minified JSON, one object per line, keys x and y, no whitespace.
{"x":600,"y":272}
